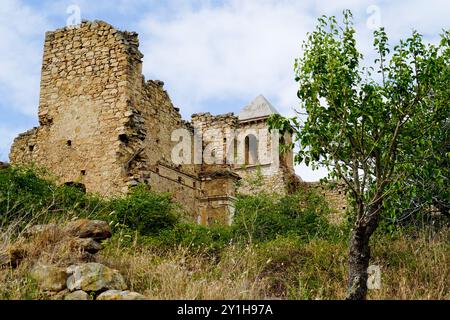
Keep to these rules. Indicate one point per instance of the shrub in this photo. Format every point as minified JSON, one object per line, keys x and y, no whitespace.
{"x":144,"y":211}
{"x":25,"y":195}
{"x":197,"y":237}
{"x":263,"y":217}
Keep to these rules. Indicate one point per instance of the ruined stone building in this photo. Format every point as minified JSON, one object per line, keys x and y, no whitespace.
{"x":103,"y":126}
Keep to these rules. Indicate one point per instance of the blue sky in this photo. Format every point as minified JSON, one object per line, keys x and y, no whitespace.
{"x":213,"y":55}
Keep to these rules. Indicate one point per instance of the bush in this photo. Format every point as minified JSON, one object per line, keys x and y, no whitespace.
{"x":264,"y":217}
{"x":25,"y":195}
{"x":144,"y":211}
{"x":197,"y":237}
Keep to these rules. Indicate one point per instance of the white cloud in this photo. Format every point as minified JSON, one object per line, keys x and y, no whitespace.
{"x":242,"y":48}
{"x":202,"y":50}
{"x":21,"y":32}
{"x":7,"y":135}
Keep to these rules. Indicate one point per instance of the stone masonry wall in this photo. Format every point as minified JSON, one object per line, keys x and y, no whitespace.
{"x":147,"y":142}
{"x":257,"y":177}
{"x":82,"y":103}
{"x":336,"y":197}
{"x":101,"y":123}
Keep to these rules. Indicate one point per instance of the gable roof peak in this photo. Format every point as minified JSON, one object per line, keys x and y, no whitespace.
{"x":260,"y":107}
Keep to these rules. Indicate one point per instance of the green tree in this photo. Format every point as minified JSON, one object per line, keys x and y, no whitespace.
{"x":363,"y":122}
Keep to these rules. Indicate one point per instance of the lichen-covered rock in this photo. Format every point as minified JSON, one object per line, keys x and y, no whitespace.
{"x":94,"y":277}
{"x":77,"y":295}
{"x":49,"y":278}
{"x":41,"y":228}
{"x":88,"y":245}
{"x":120,"y":295}
{"x":84,"y":228}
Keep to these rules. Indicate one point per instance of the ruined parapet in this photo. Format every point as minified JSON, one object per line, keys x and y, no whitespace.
{"x":217,"y":133}
{"x":24,"y":147}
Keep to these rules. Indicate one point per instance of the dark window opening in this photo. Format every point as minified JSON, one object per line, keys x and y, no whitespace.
{"x":157,"y":170}
{"x":83,"y":172}
{"x":31,"y":148}
{"x":123,"y":138}
{"x":251,"y":149}
{"x":77,"y":185}
{"x":69,"y":143}
{"x":180,"y":179}
{"x":340,"y":192}
{"x":343,"y":208}
{"x":157,"y":140}
{"x":194,"y":184}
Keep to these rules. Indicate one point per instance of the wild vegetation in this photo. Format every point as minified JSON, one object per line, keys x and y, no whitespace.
{"x":381,"y":128}
{"x":277,"y":247}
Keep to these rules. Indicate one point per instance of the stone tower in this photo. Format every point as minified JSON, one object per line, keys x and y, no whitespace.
{"x":271,"y":175}
{"x":102,"y":125}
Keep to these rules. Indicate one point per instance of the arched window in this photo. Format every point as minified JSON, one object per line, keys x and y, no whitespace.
{"x":251,"y":149}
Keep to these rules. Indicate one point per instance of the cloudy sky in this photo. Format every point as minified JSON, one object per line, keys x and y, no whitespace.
{"x":213,"y":55}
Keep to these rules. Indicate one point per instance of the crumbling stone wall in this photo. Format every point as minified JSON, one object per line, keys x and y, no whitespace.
{"x":102,"y":125}
{"x":218,"y":196}
{"x":257,"y":174}
{"x":217,"y":133}
{"x":83,"y":100}
{"x":218,"y":182}
{"x":184,"y":188}
{"x":336,"y":196}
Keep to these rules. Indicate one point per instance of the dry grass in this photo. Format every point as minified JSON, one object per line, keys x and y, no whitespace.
{"x":179,"y":274}
{"x":413,"y":268}
{"x":285,"y":268}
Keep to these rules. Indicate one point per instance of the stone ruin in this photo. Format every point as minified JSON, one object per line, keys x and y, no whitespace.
{"x":103,"y":126}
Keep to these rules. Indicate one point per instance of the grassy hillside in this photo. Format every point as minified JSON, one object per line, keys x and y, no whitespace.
{"x":276,"y":248}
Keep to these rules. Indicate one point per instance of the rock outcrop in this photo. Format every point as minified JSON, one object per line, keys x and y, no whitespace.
{"x":49,"y":278}
{"x":84,"y":228}
{"x":94,"y":277}
{"x":74,"y":278}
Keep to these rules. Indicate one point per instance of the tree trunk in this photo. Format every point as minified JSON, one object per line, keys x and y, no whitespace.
{"x":359,"y":257}
{"x":358,"y":261}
